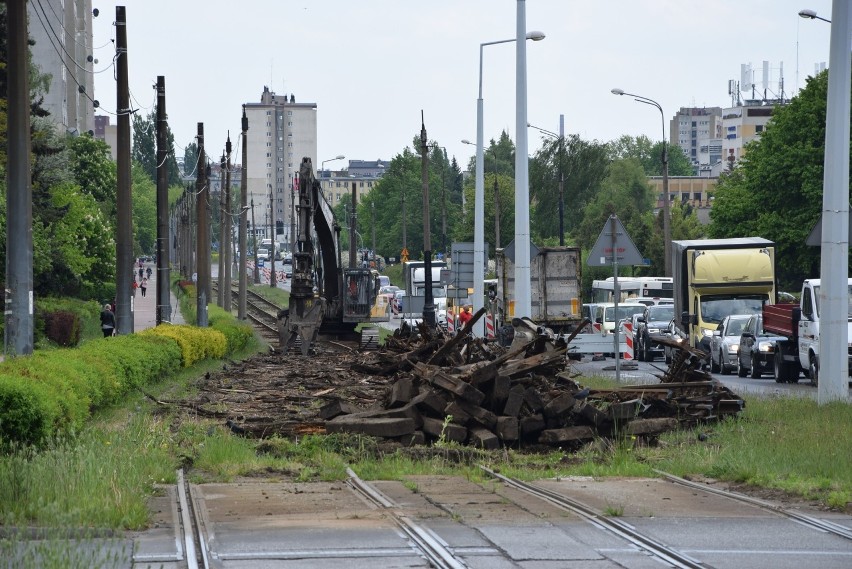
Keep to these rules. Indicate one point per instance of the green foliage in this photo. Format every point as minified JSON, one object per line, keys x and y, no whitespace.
{"x":145,"y":147}
{"x":94,"y":170}
{"x":583,"y":166}
{"x":61,"y":387}
{"x":775,"y":191}
{"x":144,"y":212}
{"x":63,"y":328}
{"x":650,"y":155}
{"x":195,"y":343}
{"x":237,"y":335}
{"x":403,"y":181}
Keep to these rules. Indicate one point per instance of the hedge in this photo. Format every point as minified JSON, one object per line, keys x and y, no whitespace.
{"x":55,"y":391}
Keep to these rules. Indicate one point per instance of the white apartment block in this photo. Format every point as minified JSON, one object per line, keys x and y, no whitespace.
{"x":62,"y":30}
{"x":281,"y":132}
{"x":692,"y":128}
{"x":364,"y":174}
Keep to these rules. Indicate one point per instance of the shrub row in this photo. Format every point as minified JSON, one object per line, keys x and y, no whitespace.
{"x":54,"y":391}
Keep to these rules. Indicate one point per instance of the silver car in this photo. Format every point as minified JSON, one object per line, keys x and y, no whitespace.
{"x":725,"y":343}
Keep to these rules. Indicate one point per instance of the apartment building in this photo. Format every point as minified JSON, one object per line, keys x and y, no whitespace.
{"x":337,"y":185}
{"x":62,"y":31}
{"x":692,"y":128}
{"x":281,"y":132}
{"x":741,"y":125}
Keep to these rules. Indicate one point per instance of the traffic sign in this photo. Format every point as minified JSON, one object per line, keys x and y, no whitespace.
{"x":614,"y":245}
{"x":815,"y":236}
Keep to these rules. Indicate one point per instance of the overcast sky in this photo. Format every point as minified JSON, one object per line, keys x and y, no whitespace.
{"x":373,"y":65}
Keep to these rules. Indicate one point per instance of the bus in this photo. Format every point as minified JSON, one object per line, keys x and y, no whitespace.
{"x":642,"y":289}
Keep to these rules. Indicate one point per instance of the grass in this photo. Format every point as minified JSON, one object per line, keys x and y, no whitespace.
{"x":102,"y":477}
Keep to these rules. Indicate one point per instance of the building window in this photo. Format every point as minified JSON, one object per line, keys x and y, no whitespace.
{"x":268,"y":113}
{"x":289,"y":113}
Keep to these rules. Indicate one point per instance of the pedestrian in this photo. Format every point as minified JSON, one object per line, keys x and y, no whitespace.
{"x":465,"y":316}
{"x":107,"y":320}
{"x":141,"y":272}
{"x":135,"y":286}
{"x":148,"y":272}
{"x":143,"y":286}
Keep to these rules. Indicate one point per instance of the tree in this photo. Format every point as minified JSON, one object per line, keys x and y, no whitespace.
{"x":145,"y":147}
{"x":775,"y":191}
{"x":94,"y":170}
{"x":190,"y":157}
{"x":584,"y":166}
{"x":650,"y":155}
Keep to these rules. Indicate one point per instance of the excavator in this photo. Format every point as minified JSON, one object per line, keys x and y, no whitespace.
{"x":326,"y":299}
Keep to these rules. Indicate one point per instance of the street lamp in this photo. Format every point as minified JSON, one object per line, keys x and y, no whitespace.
{"x":479,"y":195}
{"x":667,"y":231}
{"x":338,"y":157}
{"x":561,"y":138}
{"x":811,"y":15}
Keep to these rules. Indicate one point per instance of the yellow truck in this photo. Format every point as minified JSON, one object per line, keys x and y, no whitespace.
{"x":715,"y":278}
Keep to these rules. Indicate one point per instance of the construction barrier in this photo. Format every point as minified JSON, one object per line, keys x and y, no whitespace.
{"x":489,"y":326}
{"x":628,"y":340}
{"x":451,"y":322}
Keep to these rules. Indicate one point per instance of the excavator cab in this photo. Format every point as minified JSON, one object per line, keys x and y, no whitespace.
{"x":360,"y":288}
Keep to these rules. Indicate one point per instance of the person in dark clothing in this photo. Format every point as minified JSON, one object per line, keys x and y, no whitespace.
{"x":143,"y":286}
{"x":107,"y":320}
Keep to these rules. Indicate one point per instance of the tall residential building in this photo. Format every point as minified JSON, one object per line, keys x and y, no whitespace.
{"x":62,"y":30}
{"x":692,"y":128}
{"x":108,"y":133}
{"x":281,"y":132}
{"x":741,"y":125}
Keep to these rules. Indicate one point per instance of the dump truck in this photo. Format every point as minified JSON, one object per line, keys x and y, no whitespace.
{"x":799,"y":324}
{"x":555,"y":288}
{"x":715,"y":278}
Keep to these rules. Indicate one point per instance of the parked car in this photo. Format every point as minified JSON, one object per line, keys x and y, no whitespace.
{"x":725,"y":343}
{"x":757,"y":350}
{"x":287,"y":267}
{"x":651,"y":325}
{"x":262,"y":254}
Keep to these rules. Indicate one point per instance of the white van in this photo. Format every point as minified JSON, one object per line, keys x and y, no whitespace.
{"x":605,"y":314}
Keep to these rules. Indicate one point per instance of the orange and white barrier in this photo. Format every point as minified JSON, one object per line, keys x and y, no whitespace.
{"x":451,"y":322}
{"x":489,"y":326}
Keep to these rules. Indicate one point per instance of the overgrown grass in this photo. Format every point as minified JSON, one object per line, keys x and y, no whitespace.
{"x":102,"y":478}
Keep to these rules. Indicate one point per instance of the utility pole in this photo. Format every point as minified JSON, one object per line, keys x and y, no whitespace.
{"x":443,"y":209}
{"x":230,"y":225}
{"x":241,"y":309}
{"x":202,"y":239}
{"x":373,"y":207}
{"x":254,"y":242}
{"x":496,"y":215}
{"x":561,"y":182}
{"x":272,"y":281}
{"x":429,"y":301}
{"x":352,"y":230}
{"x":164,"y":309}
{"x":19,"y":218}
{"x":220,"y":292}
{"x":124,"y":198}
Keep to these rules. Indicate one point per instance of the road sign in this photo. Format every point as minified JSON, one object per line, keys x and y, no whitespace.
{"x":815,"y":236}
{"x":614,"y":239}
{"x":260,"y":263}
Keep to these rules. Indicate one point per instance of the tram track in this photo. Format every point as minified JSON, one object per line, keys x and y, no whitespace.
{"x":615,"y":526}
{"x":810,"y":521}
{"x":430,"y":546}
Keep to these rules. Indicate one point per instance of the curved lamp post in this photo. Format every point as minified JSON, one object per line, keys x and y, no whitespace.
{"x":667,"y":232}
{"x":479,"y":195}
{"x":811,"y":15}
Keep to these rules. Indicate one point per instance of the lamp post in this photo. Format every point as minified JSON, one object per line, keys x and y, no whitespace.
{"x":479,"y":195}
{"x":338,"y":157}
{"x":832,"y":371}
{"x":811,"y":15}
{"x":667,"y":231}
{"x":561,"y":138}
{"x":523,"y":279}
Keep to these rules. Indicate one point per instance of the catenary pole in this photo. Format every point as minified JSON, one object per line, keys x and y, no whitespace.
{"x":164,"y":308}
{"x":228,"y":219}
{"x":18,"y":339}
{"x":220,"y":202}
{"x":202,"y":240}
{"x":241,"y":309}
{"x":834,"y":260}
{"x":124,"y":198}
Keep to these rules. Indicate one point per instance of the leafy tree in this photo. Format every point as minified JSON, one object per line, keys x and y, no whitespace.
{"x":144,"y":211}
{"x":584,"y":166}
{"x":94,"y":170}
{"x":190,"y":157}
{"x":650,"y":155}
{"x":145,"y":147}
{"x":775,"y":191}
{"x":498,"y":156}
